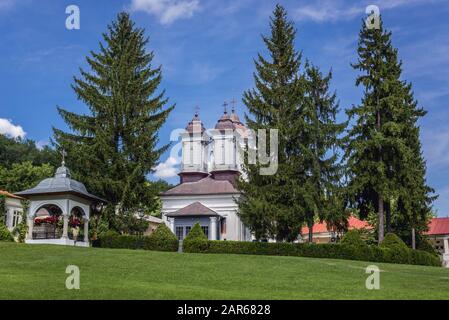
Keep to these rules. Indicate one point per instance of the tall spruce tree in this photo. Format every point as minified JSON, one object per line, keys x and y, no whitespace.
{"x":113,"y":148}
{"x":269,"y":203}
{"x":322,"y":197}
{"x":385,"y":165}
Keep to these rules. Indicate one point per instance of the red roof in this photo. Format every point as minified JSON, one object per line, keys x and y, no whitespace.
{"x":9,"y":195}
{"x":353,"y":223}
{"x":438,"y":226}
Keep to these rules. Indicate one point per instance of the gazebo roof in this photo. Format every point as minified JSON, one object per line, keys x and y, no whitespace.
{"x":61,"y":183}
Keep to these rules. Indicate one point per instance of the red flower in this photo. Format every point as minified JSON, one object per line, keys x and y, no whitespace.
{"x":74,"y":222}
{"x":48,"y":220}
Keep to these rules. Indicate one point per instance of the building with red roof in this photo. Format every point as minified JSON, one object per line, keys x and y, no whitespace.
{"x":321,"y":233}
{"x":438,"y":234}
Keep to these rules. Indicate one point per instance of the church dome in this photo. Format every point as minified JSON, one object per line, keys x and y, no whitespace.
{"x":234,"y":117}
{"x":225,"y":122}
{"x":195,"y":125}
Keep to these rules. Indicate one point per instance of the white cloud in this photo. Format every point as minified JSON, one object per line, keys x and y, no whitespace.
{"x":167,"y":169}
{"x":167,"y":11}
{"x":9,"y":129}
{"x":41,"y":144}
{"x":337,"y":10}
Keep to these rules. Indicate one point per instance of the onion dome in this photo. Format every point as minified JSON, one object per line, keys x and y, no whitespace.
{"x":195,"y":125}
{"x":225,"y":122}
{"x":234,"y":117}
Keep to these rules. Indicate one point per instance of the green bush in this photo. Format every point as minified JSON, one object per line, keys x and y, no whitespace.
{"x":425,"y":245}
{"x":5,"y":235}
{"x":196,"y":233}
{"x":162,"y":239}
{"x":328,"y":250}
{"x":195,"y":241}
{"x":393,"y":241}
{"x":424,"y":258}
{"x":352,"y":238}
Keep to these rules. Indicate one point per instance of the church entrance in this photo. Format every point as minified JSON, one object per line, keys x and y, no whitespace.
{"x":182,"y":225}
{"x":182,"y":231}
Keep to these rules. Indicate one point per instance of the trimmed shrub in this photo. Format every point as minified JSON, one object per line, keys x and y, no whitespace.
{"x":425,"y":245}
{"x":195,"y":241}
{"x":393,"y":241}
{"x":5,"y":235}
{"x":352,"y":238}
{"x":121,"y":241}
{"x":196,"y":233}
{"x":424,"y":258}
{"x":328,"y":250}
{"x":162,"y":239}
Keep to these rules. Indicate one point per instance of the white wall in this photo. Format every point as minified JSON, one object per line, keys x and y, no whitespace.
{"x":12,"y":205}
{"x":224,"y":205}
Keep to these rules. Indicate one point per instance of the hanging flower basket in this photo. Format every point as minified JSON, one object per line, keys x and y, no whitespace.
{"x":74,"y":222}
{"x":47,"y":220}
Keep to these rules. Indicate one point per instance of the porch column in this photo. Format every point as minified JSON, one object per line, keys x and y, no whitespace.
{"x":171,"y":224}
{"x":9,"y":218}
{"x":213,"y":228}
{"x":86,"y":230}
{"x":446,"y":246}
{"x":65,"y":229}
{"x":30,"y":223}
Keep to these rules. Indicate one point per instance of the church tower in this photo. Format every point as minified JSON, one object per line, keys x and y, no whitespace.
{"x":195,"y":151}
{"x":225,"y":154}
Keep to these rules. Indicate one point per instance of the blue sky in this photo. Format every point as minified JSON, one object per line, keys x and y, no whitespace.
{"x":206,"y":49}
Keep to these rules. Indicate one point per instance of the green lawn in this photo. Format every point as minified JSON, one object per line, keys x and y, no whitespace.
{"x":38,"y":272}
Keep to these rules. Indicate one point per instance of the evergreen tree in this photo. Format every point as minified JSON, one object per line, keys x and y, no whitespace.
{"x":320,"y":134}
{"x":385,"y":165}
{"x":113,"y":148}
{"x":268,"y":204}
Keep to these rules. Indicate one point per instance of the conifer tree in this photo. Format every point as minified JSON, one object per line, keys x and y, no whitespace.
{"x":385,"y":165}
{"x":268,"y":204}
{"x":321,"y":137}
{"x":113,"y":147}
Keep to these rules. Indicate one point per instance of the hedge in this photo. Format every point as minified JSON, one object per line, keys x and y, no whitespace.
{"x":352,"y":237}
{"x":5,"y":235}
{"x":331,"y":251}
{"x":393,"y":241}
{"x":162,"y":239}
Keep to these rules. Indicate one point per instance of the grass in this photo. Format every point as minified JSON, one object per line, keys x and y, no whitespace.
{"x":38,"y":272}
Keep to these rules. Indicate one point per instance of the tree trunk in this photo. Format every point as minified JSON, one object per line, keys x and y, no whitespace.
{"x":413,"y":239}
{"x":388,"y":216}
{"x":310,"y":232}
{"x":381,"y":220}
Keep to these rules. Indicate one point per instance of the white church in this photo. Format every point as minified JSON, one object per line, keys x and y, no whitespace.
{"x":206,"y":194}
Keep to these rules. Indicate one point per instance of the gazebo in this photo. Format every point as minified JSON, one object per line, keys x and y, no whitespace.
{"x":59,"y":211}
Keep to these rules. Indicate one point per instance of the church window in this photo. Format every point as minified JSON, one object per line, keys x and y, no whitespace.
{"x":15,"y":218}
{"x":180,"y":233}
